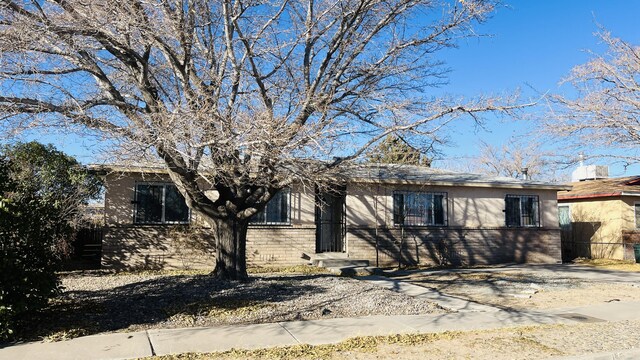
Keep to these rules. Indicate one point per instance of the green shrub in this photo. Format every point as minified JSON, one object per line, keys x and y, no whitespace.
{"x":40,"y":192}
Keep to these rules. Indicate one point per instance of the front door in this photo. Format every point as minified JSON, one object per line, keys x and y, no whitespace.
{"x":330,"y":220}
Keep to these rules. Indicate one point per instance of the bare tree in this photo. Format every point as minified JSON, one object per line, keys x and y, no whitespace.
{"x":514,"y":157}
{"x":243,"y":96}
{"x":604,"y":115}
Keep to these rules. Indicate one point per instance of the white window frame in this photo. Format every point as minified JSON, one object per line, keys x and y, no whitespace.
{"x":635,"y":215}
{"x":164,"y":185}
{"x":445,"y":208}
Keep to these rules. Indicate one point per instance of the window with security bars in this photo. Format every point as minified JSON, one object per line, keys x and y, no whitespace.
{"x":522,"y":211}
{"x":159,"y":203}
{"x":419,"y":208}
{"x":276,"y":212}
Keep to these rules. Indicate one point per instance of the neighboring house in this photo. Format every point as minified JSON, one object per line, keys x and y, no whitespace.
{"x":388,"y":214}
{"x":600,"y":217}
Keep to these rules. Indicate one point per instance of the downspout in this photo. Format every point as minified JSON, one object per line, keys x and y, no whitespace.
{"x":375,"y":218}
{"x":375,"y":208}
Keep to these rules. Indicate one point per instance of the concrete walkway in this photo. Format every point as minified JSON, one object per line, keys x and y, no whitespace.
{"x":573,"y":271}
{"x":315,"y":332}
{"x":448,"y":302}
{"x":458,"y":304}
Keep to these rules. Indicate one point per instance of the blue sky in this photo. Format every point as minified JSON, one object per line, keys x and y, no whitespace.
{"x":531,"y":45}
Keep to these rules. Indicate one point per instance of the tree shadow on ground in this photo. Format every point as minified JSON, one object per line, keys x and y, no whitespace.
{"x":496,"y":288}
{"x":149,"y":302}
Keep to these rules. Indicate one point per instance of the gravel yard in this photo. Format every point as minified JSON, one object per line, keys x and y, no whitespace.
{"x":105,"y":302}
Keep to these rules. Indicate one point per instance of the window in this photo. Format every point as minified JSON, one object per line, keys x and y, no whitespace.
{"x":564,"y":217}
{"x":277,"y":210}
{"x":158,"y":203}
{"x":419,"y":208}
{"x":636,"y":208}
{"x":522,"y":210}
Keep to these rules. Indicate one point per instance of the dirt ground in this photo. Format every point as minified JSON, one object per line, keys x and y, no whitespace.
{"x":520,"y":290}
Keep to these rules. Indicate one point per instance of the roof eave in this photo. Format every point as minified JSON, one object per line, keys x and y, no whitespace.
{"x":111,"y":169}
{"x":630,"y":193}
{"x":502,"y":185}
{"x":590,"y":196}
{"x":115,"y":169}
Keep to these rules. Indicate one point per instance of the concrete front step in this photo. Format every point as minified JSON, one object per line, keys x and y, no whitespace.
{"x":335,"y":260}
{"x":356,"y":270}
{"x":326,"y":255}
{"x":337,"y":263}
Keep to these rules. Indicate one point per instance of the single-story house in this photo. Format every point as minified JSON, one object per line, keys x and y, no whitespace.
{"x":388,"y":214}
{"x":600,"y":218}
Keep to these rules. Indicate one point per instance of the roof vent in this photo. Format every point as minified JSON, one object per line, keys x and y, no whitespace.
{"x":590,"y":172}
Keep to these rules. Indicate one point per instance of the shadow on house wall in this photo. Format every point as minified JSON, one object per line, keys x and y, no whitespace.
{"x":158,"y":247}
{"x":576,"y":239}
{"x":454,"y":247}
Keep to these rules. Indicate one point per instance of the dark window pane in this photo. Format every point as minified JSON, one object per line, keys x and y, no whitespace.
{"x":522,"y":210}
{"x":512,"y":211}
{"x":398,"y":208}
{"x":526,"y":204}
{"x":175,"y":208}
{"x":637,"y":206}
{"x":276,"y":210}
{"x":258,"y":218}
{"x":418,"y":208}
{"x":438,"y":209}
{"x":149,"y":203}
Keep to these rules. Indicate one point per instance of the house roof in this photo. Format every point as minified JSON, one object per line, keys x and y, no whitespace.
{"x":410,"y":174}
{"x":610,"y":187}
{"x":391,"y":174}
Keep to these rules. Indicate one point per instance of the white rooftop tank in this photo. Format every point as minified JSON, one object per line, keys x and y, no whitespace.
{"x":590,"y":172}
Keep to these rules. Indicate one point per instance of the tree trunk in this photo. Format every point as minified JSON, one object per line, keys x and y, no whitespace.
{"x":231,"y":245}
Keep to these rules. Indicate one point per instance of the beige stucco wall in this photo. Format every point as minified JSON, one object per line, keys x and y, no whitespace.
{"x":119,"y":209}
{"x":469,"y":207}
{"x":627,"y":218}
{"x":601,"y":222}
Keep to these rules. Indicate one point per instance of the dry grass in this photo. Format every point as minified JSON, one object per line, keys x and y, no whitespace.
{"x":364,"y":344}
{"x":610,"y":264}
{"x":190,"y":272}
{"x":297,"y":269}
{"x":188,"y":313}
{"x":370,"y":344}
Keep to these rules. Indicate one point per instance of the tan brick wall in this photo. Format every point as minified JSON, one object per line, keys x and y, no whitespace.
{"x":279,"y":246}
{"x":167,"y":247}
{"x":423,"y":246}
{"x":156,"y":247}
{"x":180,"y":247}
